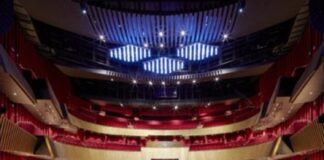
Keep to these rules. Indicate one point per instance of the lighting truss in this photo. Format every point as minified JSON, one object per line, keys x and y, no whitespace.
{"x":163,"y":65}
{"x":197,"y":51}
{"x":130,"y":53}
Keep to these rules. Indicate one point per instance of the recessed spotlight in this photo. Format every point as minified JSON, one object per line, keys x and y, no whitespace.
{"x":163,"y":83}
{"x":154,"y":107}
{"x":176,"y":107}
{"x":161,"y":45}
{"x":183,"y":32}
{"x":194,"y":81}
{"x":102,"y":38}
{"x":134,"y":81}
{"x":122,"y":105}
{"x":102,"y":113}
{"x":111,"y":79}
{"x":150,"y":83}
{"x":145,"y":45}
{"x":15,"y":94}
{"x":228,"y":113}
{"x":130,"y":125}
{"x":208,"y":104}
{"x":178,"y":82}
{"x":200,"y":125}
{"x":83,"y":6}
{"x":241,"y":6}
{"x":216,"y":79}
{"x":225,"y":36}
{"x":161,"y":34}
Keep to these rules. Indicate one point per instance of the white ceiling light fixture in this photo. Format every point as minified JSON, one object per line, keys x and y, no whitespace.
{"x":102,"y":38}
{"x":225,"y":37}
{"x":161,"y":45}
{"x":183,"y":33}
{"x":161,"y":34}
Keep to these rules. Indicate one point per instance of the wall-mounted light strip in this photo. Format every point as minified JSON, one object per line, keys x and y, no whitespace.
{"x":163,"y":65}
{"x":130,"y":53}
{"x":197,"y":51}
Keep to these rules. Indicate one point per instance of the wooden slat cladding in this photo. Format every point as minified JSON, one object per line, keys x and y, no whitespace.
{"x":311,"y":137}
{"x":13,"y":138}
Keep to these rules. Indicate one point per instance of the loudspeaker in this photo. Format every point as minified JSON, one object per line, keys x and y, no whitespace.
{"x":316,"y":9}
{"x":2,"y":110}
{"x":321,"y":119}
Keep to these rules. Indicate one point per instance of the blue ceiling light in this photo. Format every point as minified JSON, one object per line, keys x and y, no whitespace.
{"x":163,"y":65}
{"x":129,"y":53}
{"x":197,"y":51}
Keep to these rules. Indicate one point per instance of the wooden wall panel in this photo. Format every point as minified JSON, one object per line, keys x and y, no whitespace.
{"x":156,"y":132}
{"x":13,"y":138}
{"x":72,"y":152}
{"x":310,"y":137}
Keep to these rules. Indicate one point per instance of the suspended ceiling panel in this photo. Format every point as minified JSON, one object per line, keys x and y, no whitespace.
{"x":259,"y":14}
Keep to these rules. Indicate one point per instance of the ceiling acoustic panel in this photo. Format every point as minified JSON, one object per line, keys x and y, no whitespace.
{"x":197,"y":52}
{"x":129,"y":53}
{"x":162,"y":31}
{"x":163,"y":65}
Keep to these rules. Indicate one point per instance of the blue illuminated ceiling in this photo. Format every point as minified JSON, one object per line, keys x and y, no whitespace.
{"x":162,"y":43}
{"x":132,"y":41}
{"x":72,"y":49}
{"x":163,"y":65}
{"x":129,"y":53}
{"x":168,"y":31}
{"x":197,"y":51}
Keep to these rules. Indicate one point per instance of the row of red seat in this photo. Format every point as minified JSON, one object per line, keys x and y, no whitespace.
{"x":102,"y":141}
{"x":308,"y":113}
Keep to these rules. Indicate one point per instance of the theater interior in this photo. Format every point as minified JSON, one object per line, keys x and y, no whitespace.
{"x":161,"y":80}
